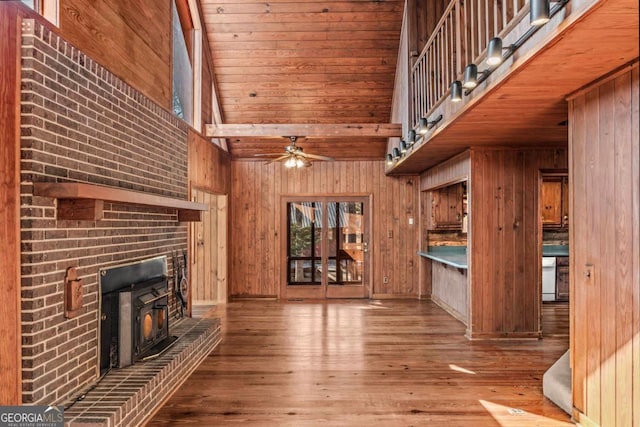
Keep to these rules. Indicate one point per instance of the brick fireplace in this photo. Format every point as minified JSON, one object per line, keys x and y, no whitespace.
{"x":81,"y":123}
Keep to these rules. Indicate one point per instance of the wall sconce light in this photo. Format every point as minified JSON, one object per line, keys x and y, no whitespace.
{"x":471,"y":76}
{"x":411,"y":138}
{"x":389,"y":159}
{"x":539,"y":13}
{"x":456,"y":91}
{"x":423,"y":126}
{"x":494,"y":51}
{"x":403,"y":146}
{"x":426,"y":125}
{"x":396,"y":153}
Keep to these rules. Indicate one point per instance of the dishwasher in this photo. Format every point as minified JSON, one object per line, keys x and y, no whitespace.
{"x":548,"y":278}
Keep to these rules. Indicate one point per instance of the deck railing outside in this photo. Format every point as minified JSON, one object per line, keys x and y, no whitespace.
{"x":460,"y":38}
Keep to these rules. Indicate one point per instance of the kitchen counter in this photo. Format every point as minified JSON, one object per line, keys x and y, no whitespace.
{"x":455,"y":256}
{"x":555,"y":250}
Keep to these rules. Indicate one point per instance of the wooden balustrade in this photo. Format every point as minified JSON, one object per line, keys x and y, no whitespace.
{"x":460,"y":38}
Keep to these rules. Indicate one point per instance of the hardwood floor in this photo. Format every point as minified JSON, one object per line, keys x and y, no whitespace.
{"x":362,"y":363}
{"x":555,"y":319}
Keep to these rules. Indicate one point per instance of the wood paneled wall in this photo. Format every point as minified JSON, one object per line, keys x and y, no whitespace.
{"x":450,"y":290}
{"x":208,"y":165}
{"x":209,"y":176}
{"x":207,"y":92}
{"x":427,"y":16}
{"x":257,"y":255}
{"x":605,"y":251}
{"x":131,"y":38}
{"x":505,"y":240}
{"x":456,"y":169}
{"x":209,"y":254}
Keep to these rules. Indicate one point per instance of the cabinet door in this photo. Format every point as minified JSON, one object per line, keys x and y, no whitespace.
{"x":551,"y":202}
{"x":447,"y":207}
{"x":562,"y":279}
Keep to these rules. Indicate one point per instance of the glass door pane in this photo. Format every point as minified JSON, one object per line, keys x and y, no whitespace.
{"x":347,"y":253}
{"x":304,"y":245}
{"x":349,"y":217}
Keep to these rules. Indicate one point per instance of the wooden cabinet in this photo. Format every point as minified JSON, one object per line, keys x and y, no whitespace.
{"x":447,"y":207}
{"x":562,"y":278}
{"x":554,"y":202}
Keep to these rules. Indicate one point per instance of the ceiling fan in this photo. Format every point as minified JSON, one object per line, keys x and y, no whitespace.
{"x":294,"y":157}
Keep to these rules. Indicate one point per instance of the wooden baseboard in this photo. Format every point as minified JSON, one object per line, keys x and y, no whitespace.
{"x":503,"y":335}
{"x":394,"y":296}
{"x":582,"y":420}
{"x":253,"y":298}
{"x":203,"y":302}
{"x":452,"y":311}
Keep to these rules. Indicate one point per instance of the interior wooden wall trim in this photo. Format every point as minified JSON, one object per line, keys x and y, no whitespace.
{"x":604,"y":239}
{"x":11,"y":15}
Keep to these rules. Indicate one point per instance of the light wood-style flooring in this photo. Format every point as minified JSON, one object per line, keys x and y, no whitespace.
{"x":362,"y":363}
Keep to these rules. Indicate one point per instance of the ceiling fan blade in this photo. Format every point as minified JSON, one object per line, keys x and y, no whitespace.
{"x":317,"y":157}
{"x":267,"y":154}
{"x":277,"y":159}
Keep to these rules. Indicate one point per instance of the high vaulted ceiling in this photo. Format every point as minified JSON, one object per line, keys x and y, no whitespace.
{"x":305,"y":62}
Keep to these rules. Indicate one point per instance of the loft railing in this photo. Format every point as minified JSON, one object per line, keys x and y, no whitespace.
{"x":460,"y":38}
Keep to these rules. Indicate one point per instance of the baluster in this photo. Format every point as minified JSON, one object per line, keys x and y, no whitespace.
{"x":432,"y":82}
{"x":446,"y":54}
{"x":423,"y":91}
{"x":473,"y":31}
{"x":458,"y":38}
{"x":454,"y":50}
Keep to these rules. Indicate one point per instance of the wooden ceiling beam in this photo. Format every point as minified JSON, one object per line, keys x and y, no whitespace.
{"x":342,"y":130}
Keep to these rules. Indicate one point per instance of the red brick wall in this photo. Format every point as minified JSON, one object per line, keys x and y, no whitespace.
{"x":81,"y":123}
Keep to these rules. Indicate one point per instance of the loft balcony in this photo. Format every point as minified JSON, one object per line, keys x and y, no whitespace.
{"x":520,"y":102}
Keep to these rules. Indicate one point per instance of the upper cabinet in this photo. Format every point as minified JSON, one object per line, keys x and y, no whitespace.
{"x":448,"y":207}
{"x":554,"y":202}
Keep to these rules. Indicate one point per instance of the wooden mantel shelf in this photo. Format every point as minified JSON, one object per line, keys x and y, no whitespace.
{"x":79,"y":201}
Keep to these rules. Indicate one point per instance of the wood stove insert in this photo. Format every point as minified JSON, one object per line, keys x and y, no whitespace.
{"x":134,"y":320}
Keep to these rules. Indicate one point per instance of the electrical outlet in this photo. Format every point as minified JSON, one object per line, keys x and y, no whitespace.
{"x":390,"y":234}
{"x":385,"y":279}
{"x":410,"y":221}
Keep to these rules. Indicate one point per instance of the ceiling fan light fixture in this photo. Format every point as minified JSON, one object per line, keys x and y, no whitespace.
{"x":294,"y":156}
{"x":290,"y":163}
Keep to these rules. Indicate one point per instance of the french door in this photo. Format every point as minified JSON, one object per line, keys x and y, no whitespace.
{"x":327,"y":247}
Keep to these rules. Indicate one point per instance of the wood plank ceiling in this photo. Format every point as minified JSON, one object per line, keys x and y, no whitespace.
{"x":306,"y":62}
